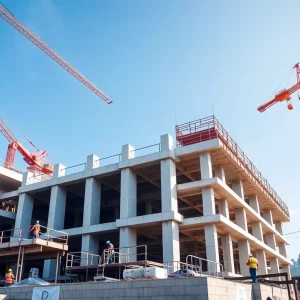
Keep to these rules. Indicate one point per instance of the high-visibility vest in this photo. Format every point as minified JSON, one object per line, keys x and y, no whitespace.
{"x":9,"y":278}
{"x":253,"y":263}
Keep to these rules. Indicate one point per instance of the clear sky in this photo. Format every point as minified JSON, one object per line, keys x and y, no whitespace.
{"x":156,"y":60}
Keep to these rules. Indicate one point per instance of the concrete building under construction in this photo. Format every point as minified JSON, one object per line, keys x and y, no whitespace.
{"x":200,"y":196}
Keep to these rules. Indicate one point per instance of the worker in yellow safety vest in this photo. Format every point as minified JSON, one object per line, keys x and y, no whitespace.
{"x":252,"y":263}
{"x":9,"y":278}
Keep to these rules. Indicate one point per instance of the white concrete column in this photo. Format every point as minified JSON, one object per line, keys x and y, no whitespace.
{"x":227,"y":253}
{"x":238,"y":188}
{"x":27,"y":178}
{"x":208,"y":201}
{"x":241,"y":218}
{"x":244,"y":251}
{"x":24,"y":214}
{"x":59,"y":170}
{"x":92,"y":162}
{"x":56,"y":215}
{"x":271,"y":241}
{"x":170,"y":239}
{"x":205,"y":165}
{"x":168,"y":177}
{"x":268,"y":216}
{"x":262,"y":262}
{"x":254,"y":204}
{"x":92,"y":202}
{"x":274,"y":267}
{"x":212,"y":246}
{"x":89,"y":244}
{"x":282,"y":249}
{"x":223,"y":208}
{"x":220,"y":173}
{"x":257,"y":231}
{"x":278,"y":227}
{"x":128,"y":243}
{"x":286,"y":269}
{"x":56,"y":218}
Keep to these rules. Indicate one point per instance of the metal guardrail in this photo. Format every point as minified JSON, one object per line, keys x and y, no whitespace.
{"x":209,"y":128}
{"x":72,"y":169}
{"x":85,"y":259}
{"x":126,"y":254}
{"x":145,"y":150}
{"x":116,"y":158}
{"x":205,"y":267}
{"x":19,"y":234}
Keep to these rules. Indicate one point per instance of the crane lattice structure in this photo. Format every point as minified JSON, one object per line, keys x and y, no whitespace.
{"x":7,"y":16}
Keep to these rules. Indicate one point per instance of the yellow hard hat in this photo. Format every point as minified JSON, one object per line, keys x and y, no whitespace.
{"x":9,"y":270}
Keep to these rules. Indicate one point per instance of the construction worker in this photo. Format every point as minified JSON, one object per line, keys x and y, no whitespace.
{"x":252,"y":263}
{"x":111,"y":251}
{"x":9,"y":278}
{"x":35,"y":230}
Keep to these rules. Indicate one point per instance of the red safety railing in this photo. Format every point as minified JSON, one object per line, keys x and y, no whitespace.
{"x":210,"y":128}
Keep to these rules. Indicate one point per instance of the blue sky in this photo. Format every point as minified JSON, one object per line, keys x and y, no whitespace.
{"x":156,"y":60}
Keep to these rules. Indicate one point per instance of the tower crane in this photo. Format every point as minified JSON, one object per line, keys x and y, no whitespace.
{"x":285,"y":94}
{"x":7,"y":16}
{"x":36,"y":161}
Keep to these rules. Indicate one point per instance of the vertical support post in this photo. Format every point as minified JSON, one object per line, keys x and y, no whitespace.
{"x":268,"y":216}
{"x":128,"y":243}
{"x":57,"y":264}
{"x":238,"y":188}
{"x":228,"y":253}
{"x":212,"y":247}
{"x":22,"y":262}
{"x":220,"y":173}
{"x":262,"y":262}
{"x":274,"y":266}
{"x":244,"y":251}
{"x":208,"y":200}
{"x":205,"y":165}
{"x":241,"y":218}
{"x":18,"y":264}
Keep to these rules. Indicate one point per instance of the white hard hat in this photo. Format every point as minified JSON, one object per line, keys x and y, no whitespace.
{"x":108,"y":242}
{"x":37,"y":222}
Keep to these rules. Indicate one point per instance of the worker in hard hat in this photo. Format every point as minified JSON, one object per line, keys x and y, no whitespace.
{"x":35,"y":230}
{"x":9,"y":278}
{"x":111,"y":251}
{"x":252,"y":263}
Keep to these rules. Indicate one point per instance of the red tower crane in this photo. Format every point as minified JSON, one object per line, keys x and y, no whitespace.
{"x":7,"y":16}
{"x":285,"y":94}
{"x":36,"y":161}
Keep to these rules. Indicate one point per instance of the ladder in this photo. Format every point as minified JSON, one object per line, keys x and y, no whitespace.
{"x":100,"y":270}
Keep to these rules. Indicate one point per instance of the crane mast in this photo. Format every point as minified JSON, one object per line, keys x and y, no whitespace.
{"x":7,"y":16}
{"x":285,"y":94}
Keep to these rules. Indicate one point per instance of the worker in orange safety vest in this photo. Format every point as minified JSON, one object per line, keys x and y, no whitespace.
{"x":9,"y":278}
{"x":35,"y":230}
{"x":252,"y":263}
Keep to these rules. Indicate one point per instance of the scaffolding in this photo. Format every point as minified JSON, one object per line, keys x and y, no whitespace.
{"x":210,"y":128}
{"x":17,"y":247}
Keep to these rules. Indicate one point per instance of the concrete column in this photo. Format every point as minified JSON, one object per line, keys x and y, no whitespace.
{"x":56,"y":215}
{"x":212,"y":247}
{"x":205,"y":165}
{"x":220,"y":173}
{"x":286,"y":269}
{"x":27,"y":178}
{"x":262,"y":262}
{"x":168,"y":177}
{"x":254,"y":204}
{"x":92,"y":162}
{"x":92,"y":202}
{"x":149,"y":207}
{"x":274,"y":267}
{"x":268,"y":216}
{"x":257,"y":231}
{"x":278,"y":227}
{"x":56,"y":218}
{"x":244,"y":251}
{"x":208,"y":201}
{"x":128,"y":242}
{"x":241,"y":218}
{"x":89,"y":244}
{"x":238,"y":188}
{"x":171,"y":247}
{"x":282,"y":249}
{"x":24,"y":214}
{"x":59,"y":170}
{"x":271,"y":241}
{"x":228,"y":253}
{"x":223,"y":208}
